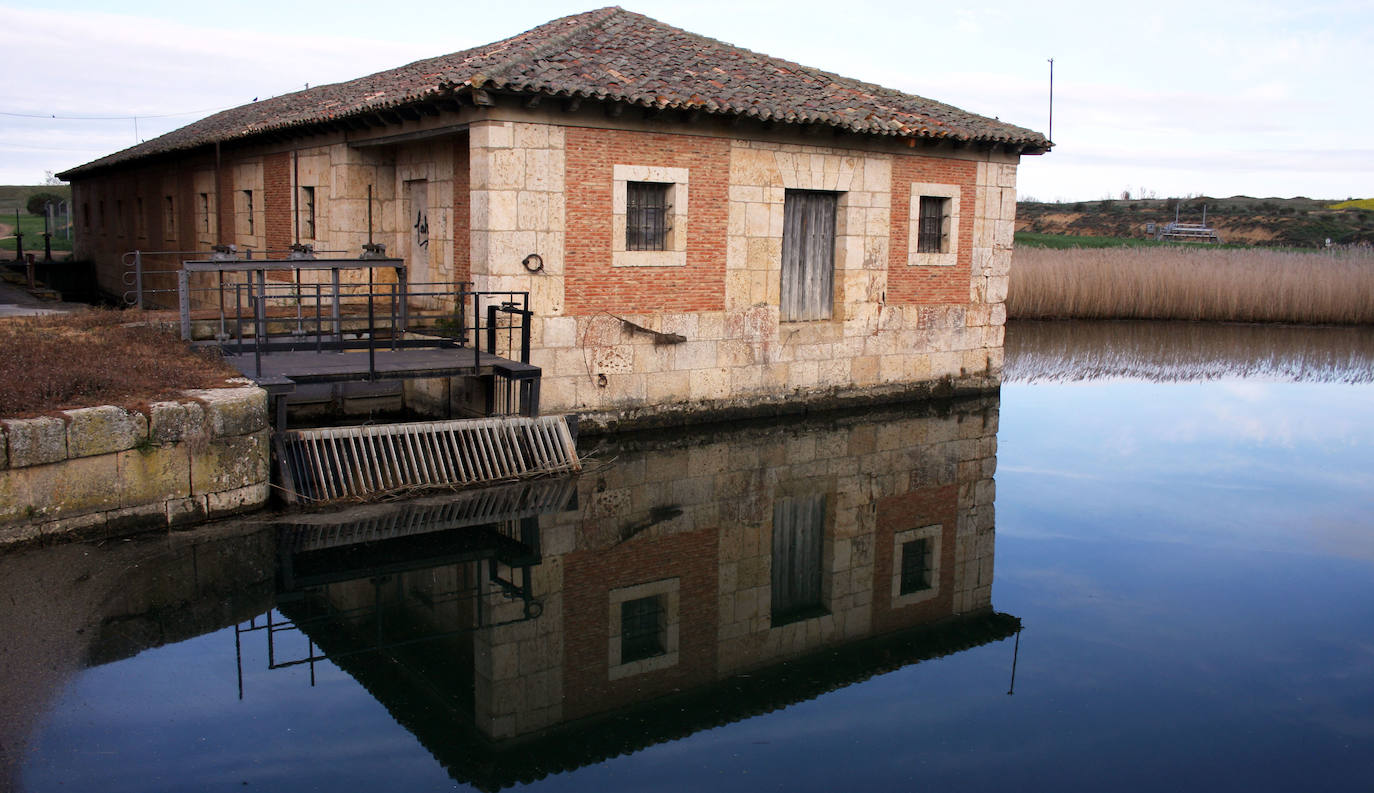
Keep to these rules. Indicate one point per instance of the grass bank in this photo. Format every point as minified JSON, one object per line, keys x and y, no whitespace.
{"x":1193,"y":283}
{"x":32,"y":227}
{"x":98,"y":357}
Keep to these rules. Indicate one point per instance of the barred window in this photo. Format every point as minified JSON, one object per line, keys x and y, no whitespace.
{"x":248,"y":210}
{"x":642,"y":627}
{"x":915,"y":566}
{"x":646,"y":216}
{"x":308,"y":212}
{"x":933,"y":233}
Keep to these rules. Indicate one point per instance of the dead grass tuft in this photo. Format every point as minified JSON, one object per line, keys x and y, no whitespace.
{"x":100,"y":357}
{"x":1240,"y":285}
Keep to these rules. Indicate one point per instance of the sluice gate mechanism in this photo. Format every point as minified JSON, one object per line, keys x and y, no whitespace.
{"x":313,"y":331}
{"x":354,"y":462}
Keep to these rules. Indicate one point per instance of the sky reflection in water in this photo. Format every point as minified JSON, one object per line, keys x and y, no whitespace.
{"x":1193,"y":563}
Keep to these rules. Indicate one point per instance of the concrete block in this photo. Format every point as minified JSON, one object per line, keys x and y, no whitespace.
{"x":530,"y":136}
{"x":167,"y":422}
{"x":185,"y":511}
{"x":492,"y":135}
{"x":997,"y":289}
{"x":35,"y":441}
{"x":242,"y":499}
{"x":232,"y":411}
{"x":145,"y":476}
{"x":76,"y":487}
{"x":231,"y":463}
{"x":105,"y":429}
{"x":560,"y":331}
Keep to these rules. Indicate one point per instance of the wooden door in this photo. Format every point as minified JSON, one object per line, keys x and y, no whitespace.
{"x":808,"y":255}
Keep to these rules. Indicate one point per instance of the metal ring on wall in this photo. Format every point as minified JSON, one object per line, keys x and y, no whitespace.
{"x":538,"y":262}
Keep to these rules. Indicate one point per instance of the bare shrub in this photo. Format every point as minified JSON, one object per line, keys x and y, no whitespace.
{"x":1225,"y":284}
{"x":64,"y":361}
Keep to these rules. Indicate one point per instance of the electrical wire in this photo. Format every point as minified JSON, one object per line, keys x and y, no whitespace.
{"x":110,"y":118}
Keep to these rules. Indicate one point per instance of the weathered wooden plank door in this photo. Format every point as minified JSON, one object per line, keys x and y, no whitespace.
{"x":418,"y":269}
{"x":808,"y":255}
{"x":798,"y":531}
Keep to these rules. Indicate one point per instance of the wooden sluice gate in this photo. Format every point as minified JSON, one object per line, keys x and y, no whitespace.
{"x":300,"y":324}
{"x":351,"y":462}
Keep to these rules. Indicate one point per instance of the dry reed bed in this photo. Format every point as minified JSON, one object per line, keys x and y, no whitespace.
{"x":1173,"y":351}
{"x":1226,"y":284}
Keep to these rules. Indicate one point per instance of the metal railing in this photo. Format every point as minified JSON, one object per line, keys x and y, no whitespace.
{"x":263,"y":306}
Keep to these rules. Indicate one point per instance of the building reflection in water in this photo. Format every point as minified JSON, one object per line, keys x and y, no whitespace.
{"x":657,"y":595}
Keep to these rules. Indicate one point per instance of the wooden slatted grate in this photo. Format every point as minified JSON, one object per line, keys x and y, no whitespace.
{"x":354,"y":462}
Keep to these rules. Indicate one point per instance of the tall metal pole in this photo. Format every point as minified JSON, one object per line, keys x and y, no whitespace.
{"x":1051,"y":60}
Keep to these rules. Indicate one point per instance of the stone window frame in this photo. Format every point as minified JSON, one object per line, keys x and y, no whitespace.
{"x":950,"y":192}
{"x":931,"y":534}
{"x":674,"y":253}
{"x":670,"y":590}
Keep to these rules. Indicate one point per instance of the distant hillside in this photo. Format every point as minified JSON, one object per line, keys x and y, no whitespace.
{"x":1287,"y":222}
{"x":13,"y":196}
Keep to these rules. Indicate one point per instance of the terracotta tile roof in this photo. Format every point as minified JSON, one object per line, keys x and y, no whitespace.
{"x":615,"y":55}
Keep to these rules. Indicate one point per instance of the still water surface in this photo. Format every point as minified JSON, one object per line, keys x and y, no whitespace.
{"x":1180,"y":593}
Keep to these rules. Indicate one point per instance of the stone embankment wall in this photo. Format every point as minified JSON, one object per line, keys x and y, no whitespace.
{"x":106,"y":470}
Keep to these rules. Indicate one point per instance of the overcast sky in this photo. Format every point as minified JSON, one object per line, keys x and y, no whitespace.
{"x":1173,"y":98}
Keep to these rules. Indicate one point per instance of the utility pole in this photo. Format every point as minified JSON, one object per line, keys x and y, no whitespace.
{"x":1051,"y":133}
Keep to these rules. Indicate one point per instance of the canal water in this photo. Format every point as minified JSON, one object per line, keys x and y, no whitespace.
{"x":1148,"y":563}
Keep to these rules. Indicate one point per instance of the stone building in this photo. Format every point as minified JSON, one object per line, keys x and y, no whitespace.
{"x":796,"y":235}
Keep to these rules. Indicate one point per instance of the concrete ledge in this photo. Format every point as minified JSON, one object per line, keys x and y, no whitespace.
{"x":791,"y":403}
{"x":106,"y":471}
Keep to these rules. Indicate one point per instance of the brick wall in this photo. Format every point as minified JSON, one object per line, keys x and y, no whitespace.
{"x":592,"y":284}
{"x":224,"y":204}
{"x":276,"y":188}
{"x":589,"y":575}
{"x":924,"y":285}
{"x":462,"y":210}
{"x":923,"y":507}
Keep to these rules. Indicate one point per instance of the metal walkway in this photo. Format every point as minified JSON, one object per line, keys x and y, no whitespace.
{"x":352,"y":462}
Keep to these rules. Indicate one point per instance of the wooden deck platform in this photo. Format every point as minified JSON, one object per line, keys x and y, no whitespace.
{"x":334,"y":366}
{"x":280,"y":371}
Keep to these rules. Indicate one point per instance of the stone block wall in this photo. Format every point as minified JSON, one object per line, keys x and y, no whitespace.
{"x":691,"y":522}
{"x":104,"y":471}
{"x":899,"y":324}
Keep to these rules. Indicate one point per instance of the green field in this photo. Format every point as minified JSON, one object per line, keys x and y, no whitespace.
{"x":1030,"y":239}
{"x":14,"y":197}
{"x":32,"y":227}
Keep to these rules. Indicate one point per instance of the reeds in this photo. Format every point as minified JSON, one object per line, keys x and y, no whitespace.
{"x":1193,"y":283}
{"x":1171,"y":351}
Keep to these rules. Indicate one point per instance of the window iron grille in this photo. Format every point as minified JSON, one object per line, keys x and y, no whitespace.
{"x":915,"y":566}
{"x":931,"y":233}
{"x":646,"y":216}
{"x":641,"y":629}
